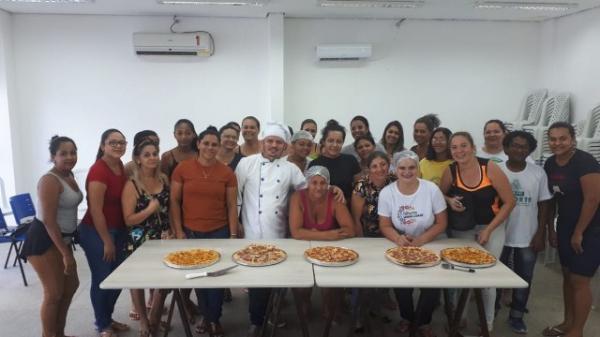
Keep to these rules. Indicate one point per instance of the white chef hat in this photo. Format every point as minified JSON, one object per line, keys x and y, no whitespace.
{"x":277,"y":130}
{"x":317,"y":170}
{"x":302,"y":134}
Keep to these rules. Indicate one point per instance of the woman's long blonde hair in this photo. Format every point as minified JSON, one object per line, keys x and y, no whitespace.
{"x":135,"y":176}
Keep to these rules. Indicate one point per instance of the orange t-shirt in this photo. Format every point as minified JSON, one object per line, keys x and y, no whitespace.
{"x":204,"y":198}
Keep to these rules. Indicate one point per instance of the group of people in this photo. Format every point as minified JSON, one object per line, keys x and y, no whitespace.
{"x":288,"y":185}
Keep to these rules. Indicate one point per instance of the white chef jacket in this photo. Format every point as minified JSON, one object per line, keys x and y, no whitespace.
{"x":263,"y":190}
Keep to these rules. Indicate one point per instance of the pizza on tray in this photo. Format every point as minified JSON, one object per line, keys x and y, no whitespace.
{"x":192,"y":258}
{"x":257,"y":255}
{"x":468,"y":255}
{"x":412,"y":256}
{"x":331,"y":256}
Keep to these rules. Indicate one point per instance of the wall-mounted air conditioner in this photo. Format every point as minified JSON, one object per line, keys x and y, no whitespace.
{"x":193,"y":44}
{"x":343,"y":52}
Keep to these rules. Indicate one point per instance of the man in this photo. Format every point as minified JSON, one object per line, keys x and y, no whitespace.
{"x":525,"y":227}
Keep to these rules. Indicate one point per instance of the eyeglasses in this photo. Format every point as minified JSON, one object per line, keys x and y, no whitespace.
{"x":117,"y":143}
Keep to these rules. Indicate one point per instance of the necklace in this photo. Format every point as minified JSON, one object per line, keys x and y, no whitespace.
{"x":206,"y":173}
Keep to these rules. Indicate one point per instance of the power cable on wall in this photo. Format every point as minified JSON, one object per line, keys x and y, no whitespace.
{"x":212,"y":40}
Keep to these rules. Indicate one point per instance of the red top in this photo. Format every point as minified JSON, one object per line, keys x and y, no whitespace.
{"x":329,"y":223}
{"x":112,"y":209}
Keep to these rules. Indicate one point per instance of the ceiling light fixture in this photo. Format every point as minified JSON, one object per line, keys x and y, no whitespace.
{"x":373,"y":3}
{"x":258,"y":3}
{"x":50,"y":1}
{"x":528,"y":6}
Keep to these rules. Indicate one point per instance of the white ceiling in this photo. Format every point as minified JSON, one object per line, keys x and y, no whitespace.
{"x":433,"y":9}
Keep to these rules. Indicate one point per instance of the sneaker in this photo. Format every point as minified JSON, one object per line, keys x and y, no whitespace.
{"x":517,"y":325}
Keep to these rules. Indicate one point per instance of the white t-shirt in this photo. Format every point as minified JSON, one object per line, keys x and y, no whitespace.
{"x":529,"y":187}
{"x":411,"y":214}
{"x":499,"y":157}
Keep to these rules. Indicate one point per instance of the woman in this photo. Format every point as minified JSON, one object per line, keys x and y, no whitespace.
{"x":574,"y":178}
{"x":204,"y":206}
{"x":478,"y":186}
{"x":250,"y":130}
{"x":422,"y":130}
{"x":137,"y":139}
{"x":184,"y":133}
{"x":344,"y":168}
{"x":412,"y":212}
{"x":438,"y":156}
{"x":48,"y":243}
{"x":103,"y":235}
{"x":359,"y":126}
{"x":494,"y":131}
{"x":229,"y":139}
{"x":392,"y":140}
{"x":145,"y":203}
{"x":311,"y":126}
{"x":300,"y":147}
{"x":364,"y":146}
{"x":315,"y":215}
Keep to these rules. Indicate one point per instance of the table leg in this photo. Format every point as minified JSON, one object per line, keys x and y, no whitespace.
{"x":178,"y":298}
{"x":269,"y":309}
{"x":455,"y":317}
{"x":169,"y":315}
{"x":336,"y":303}
{"x":300,"y":311}
{"x":481,"y":311}
{"x":279,"y":295}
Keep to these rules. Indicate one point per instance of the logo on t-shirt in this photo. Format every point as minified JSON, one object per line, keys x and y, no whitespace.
{"x":520,"y":197}
{"x":407,"y":215}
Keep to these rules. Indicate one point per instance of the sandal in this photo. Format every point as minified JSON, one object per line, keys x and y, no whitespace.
{"x":134,"y":315}
{"x":553,"y":331}
{"x":403,"y":326}
{"x":202,"y":326}
{"x":145,"y":333}
{"x":119,"y":327}
{"x":425,"y":331}
{"x":107,"y":333}
{"x":215,"y":330}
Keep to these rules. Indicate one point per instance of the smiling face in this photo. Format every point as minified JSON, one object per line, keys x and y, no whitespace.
{"x":421,"y":133}
{"x":461,"y":149}
{"x":229,"y":138}
{"x":273,"y":147}
{"x":439,"y":142}
{"x":317,"y":187}
{"x":407,"y":170}
{"x":302,"y":147}
{"x":208,"y":147}
{"x":358,"y":128}
{"x":364,"y":148}
{"x":148,"y":157}
{"x":65,"y":157}
{"x":184,"y":134}
{"x":517,"y":150}
{"x":379,"y":168}
{"x":311,"y":128}
{"x":249,"y":129}
{"x":493,"y":135}
{"x":392,"y":135}
{"x":114,"y":146}
{"x":333,"y":144}
{"x":560,"y":141}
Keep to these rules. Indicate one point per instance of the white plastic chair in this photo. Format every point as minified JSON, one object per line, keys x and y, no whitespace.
{"x":530,"y":111}
{"x":589,"y":140}
{"x":556,"y":108}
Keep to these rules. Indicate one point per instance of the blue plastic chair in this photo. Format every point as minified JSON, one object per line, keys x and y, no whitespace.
{"x":22,"y":207}
{"x":15,"y":237}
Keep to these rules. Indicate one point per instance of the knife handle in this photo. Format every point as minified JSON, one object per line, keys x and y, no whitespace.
{"x":195,"y":275}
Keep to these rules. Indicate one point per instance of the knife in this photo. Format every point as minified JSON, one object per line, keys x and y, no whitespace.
{"x":453,"y":267}
{"x":209,"y":273}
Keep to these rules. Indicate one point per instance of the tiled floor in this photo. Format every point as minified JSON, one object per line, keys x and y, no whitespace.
{"x":19,"y":313}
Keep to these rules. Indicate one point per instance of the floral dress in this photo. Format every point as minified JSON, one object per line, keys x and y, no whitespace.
{"x":154,"y":226}
{"x":369,"y":218}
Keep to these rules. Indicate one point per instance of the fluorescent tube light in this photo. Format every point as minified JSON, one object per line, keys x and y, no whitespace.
{"x":50,"y":1}
{"x":259,"y":3}
{"x":373,"y":3}
{"x":528,"y":6}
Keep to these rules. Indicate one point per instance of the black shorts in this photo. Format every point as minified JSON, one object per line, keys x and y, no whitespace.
{"x":584,"y":264}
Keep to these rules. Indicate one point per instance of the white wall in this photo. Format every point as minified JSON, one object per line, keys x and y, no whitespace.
{"x":78,"y":75}
{"x":570,"y":59}
{"x":466,"y":72}
{"x":7,"y":172}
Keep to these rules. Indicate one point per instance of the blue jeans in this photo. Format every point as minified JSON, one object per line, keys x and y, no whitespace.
{"x":103,"y":300}
{"x":210,"y":301}
{"x":523,"y":265}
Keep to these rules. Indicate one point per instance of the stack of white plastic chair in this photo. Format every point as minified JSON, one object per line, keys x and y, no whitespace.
{"x":589,"y":140}
{"x":556,"y":108}
{"x":530,"y":111}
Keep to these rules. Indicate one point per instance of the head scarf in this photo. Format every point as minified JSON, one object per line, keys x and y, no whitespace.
{"x":317,"y":170}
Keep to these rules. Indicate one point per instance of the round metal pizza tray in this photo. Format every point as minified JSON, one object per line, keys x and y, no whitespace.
{"x":194,"y":266}
{"x":332,"y":264}
{"x":247,"y":264}
{"x":415,"y":265}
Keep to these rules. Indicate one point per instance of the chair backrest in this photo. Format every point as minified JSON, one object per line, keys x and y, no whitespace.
{"x":22,"y":207}
{"x":591,"y":129}
{"x":560,"y":109}
{"x":533,"y":106}
{"x":3,"y":224}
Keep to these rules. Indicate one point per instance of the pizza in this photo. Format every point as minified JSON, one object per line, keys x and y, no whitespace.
{"x":331,"y":256}
{"x":192,"y":258}
{"x":468,"y":255}
{"x":412,"y":256}
{"x":256,"y":255}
